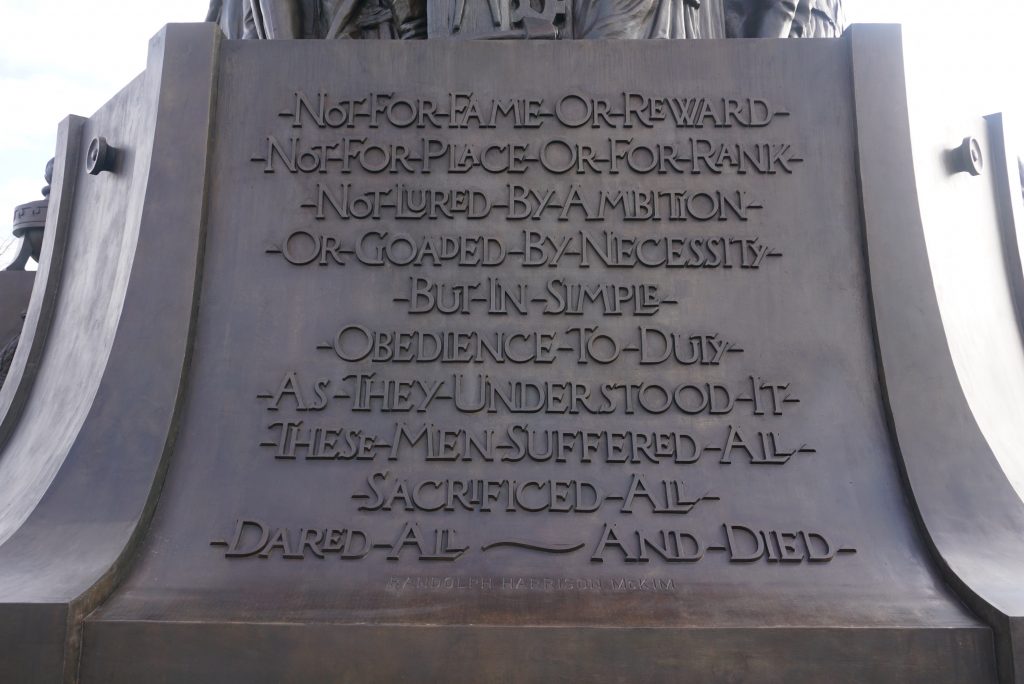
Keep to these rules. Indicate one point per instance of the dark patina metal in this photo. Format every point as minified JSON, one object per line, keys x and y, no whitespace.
{"x":493,"y":361}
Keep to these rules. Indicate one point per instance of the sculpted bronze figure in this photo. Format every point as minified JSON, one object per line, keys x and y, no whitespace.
{"x":278,"y":18}
{"x":324,"y":19}
{"x":783,"y":18}
{"x":523,"y":19}
{"x":234,"y":17}
{"x":649,"y":19}
{"x":827,"y":19}
{"x":629,"y":19}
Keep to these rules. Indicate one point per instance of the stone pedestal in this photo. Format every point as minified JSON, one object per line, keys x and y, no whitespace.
{"x":489,"y":361}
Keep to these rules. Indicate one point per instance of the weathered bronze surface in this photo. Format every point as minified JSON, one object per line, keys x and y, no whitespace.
{"x":489,"y":361}
{"x":15,"y":288}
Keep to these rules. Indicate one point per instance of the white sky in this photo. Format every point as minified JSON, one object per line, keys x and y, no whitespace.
{"x":62,"y":57}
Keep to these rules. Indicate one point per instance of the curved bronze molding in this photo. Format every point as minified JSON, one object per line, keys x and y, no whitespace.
{"x":109,"y":332}
{"x":20,"y":378}
{"x":968,"y":510}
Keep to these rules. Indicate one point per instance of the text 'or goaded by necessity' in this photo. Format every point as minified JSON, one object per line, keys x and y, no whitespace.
{"x":533,"y":356}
